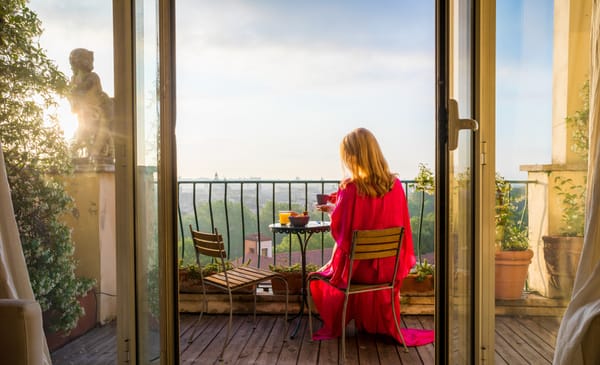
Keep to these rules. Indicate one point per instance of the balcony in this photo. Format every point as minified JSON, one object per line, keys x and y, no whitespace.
{"x":251,"y":205}
{"x":519,"y":340}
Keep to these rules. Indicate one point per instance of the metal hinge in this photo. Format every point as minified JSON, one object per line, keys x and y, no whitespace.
{"x":484,"y":151}
{"x":127,"y":351}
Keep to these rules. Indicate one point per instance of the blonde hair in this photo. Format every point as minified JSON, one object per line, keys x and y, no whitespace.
{"x":361,"y":154}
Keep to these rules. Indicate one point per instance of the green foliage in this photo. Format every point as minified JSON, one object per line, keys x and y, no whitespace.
{"x":314,"y":243}
{"x":422,"y":270}
{"x":211,"y":267}
{"x":425,"y":180}
{"x":36,"y":155}
{"x":579,"y":123}
{"x":425,"y":184}
{"x":572,"y":194}
{"x":510,"y":217}
{"x":573,"y":206}
{"x":297,"y":267}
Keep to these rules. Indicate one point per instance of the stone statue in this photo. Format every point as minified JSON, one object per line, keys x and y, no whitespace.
{"x":94,"y":108}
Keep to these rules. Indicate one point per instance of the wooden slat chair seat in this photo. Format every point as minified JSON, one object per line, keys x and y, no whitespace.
{"x":231,"y":280}
{"x":367,"y":245}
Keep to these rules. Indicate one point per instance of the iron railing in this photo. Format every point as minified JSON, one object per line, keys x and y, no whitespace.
{"x":254,"y":204}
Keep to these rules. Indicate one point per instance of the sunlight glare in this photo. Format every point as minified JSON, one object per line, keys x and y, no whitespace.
{"x":67,"y":119}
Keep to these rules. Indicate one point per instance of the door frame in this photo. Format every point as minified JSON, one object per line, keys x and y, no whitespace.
{"x":485,"y":171}
{"x":484,"y":47}
{"x":125,"y":116}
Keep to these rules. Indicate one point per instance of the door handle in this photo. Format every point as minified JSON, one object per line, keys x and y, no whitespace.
{"x":455,"y":124}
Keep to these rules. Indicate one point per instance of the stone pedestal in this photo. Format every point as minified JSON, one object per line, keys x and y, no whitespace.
{"x":94,"y":232}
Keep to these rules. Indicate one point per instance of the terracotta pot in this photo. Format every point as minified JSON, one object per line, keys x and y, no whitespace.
{"x":412,"y":286}
{"x":511,"y":272}
{"x":562,"y":258}
{"x":294,"y":280}
{"x":56,"y":340}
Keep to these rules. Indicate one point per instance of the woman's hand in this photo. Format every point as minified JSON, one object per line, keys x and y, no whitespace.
{"x":325,"y":208}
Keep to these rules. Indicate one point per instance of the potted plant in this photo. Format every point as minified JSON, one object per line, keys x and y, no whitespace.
{"x":512,"y":256}
{"x":424,"y":183}
{"x":563,"y":250}
{"x":293,"y":274}
{"x":419,"y":282}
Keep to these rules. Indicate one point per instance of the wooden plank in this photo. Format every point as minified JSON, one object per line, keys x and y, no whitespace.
{"x":551,"y":324}
{"x":240,"y":338}
{"x":387,"y":350}
{"x":520,"y":344}
{"x":309,"y":349}
{"x":351,"y":344}
{"x":426,"y":352}
{"x":275,"y":342}
{"x":505,"y":350}
{"x":518,"y":341}
{"x":542,"y":349}
{"x":328,"y":352}
{"x":548,"y":336}
{"x":367,"y":349}
{"x":209,"y":324}
{"x":256,"y":342}
{"x":207,"y":346}
{"x":292,"y":347}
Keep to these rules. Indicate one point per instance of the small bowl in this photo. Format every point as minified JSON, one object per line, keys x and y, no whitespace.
{"x":299,"y":220}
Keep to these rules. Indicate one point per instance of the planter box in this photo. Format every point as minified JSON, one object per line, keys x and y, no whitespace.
{"x":294,"y":280}
{"x":86,"y":322}
{"x":411,"y":286}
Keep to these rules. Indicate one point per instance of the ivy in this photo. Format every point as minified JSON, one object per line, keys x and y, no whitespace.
{"x":36,"y":157}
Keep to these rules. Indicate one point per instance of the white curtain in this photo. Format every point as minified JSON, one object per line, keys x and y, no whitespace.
{"x":14,"y":277}
{"x":578,"y":340}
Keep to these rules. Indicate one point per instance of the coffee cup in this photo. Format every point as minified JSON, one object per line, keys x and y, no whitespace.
{"x":322,"y":199}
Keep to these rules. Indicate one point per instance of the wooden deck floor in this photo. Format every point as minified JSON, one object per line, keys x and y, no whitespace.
{"x":519,"y":340}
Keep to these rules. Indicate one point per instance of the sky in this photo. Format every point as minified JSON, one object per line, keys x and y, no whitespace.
{"x":269,"y":88}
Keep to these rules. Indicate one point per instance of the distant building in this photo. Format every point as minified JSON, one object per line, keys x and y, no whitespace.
{"x":258,"y":246}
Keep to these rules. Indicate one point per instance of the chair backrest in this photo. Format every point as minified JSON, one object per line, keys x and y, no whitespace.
{"x":377,"y":244}
{"x":209,"y":244}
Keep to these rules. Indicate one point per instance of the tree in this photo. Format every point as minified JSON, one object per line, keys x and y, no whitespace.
{"x":37,"y":157}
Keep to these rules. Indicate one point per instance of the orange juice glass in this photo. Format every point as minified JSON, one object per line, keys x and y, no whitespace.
{"x":284,"y":216}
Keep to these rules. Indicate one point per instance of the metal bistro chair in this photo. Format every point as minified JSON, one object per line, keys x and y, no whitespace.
{"x":211,"y":245}
{"x":367,"y":245}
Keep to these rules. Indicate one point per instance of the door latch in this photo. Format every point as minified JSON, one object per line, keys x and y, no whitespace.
{"x":455,"y":124}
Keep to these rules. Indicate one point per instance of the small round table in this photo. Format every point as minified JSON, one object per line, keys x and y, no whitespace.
{"x":303,"y":233}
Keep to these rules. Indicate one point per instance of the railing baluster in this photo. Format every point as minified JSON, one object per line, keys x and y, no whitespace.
{"x":225,"y":197}
{"x":258,"y":243}
{"x":210,"y":207}
{"x":243,"y":219}
{"x":180,"y":224}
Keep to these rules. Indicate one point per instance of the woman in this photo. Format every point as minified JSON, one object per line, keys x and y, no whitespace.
{"x":371,"y":198}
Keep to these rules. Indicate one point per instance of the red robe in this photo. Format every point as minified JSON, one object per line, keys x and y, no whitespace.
{"x":371,"y":312}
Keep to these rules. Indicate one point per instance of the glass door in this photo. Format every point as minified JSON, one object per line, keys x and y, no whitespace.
{"x":146,"y":200}
{"x":458,"y":300}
